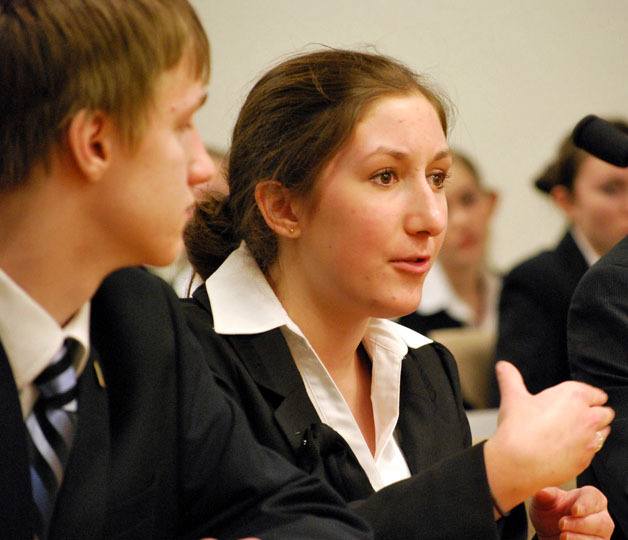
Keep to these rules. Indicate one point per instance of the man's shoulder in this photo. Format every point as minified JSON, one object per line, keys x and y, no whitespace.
{"x":134,"y":307}
{"x":129,"y":279}
{"x":618,"y":256}
{"x":606,"y":278}
{"x":134,"y":290}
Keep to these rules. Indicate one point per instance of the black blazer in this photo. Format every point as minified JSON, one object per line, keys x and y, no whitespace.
{"x":447,"y":496}
{"x":533,"y":306}
{"x":424,"y":324}
{"x":161,"y":452}
{"x":598,"y":354}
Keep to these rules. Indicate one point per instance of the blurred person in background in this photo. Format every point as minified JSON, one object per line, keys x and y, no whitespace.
{"x":535,"y":297}
{"x":460,"y":290}
{"x":459,"y":302}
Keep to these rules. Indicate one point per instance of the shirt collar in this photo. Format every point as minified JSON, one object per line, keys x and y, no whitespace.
{"x":31,"y":337}
{"x":585,"y":247}
{"x":243,"y":302}
{"x":438,"y":295}
{"x":239,"y":293}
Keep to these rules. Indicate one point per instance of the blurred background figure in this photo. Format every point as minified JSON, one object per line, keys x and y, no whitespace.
{"x":459,"y":303}
{"x":536,"y":294}
{"x":180,"y":274}
{"x":460,"y":290}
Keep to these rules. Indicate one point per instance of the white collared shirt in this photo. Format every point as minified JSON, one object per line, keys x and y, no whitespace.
{"x":439,"y":295}
{"x":31,"y":337}
{"x":585,"y":247}
{"x":243,"y":302}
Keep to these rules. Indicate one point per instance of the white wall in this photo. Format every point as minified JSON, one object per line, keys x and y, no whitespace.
{"x":521,"y":74}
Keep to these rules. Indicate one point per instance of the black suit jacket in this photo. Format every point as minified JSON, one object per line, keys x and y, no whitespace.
{"x":533,"y":306}
{"x":160,"y":452}
{"x":447,"y":496}
{"x":598,"y":354}
{"x":424,"y":324}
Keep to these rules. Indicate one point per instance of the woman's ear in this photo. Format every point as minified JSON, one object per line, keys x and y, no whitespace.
{"x":563,"y":198}
{"x":492,"y":199}
{"x":275,"y":202}
{"x":89,"y":140}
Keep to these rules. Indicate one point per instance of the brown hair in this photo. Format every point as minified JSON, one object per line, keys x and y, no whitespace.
{"x":565,"y":166}
{"x":460,"y":157}
{"x":294,"y":120}
{"x":59,"y":57}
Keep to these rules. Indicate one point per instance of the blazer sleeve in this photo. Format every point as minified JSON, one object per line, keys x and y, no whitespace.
{"x":598,"y":355}
{"x":228,"y":486}
{"x":447,"y":495}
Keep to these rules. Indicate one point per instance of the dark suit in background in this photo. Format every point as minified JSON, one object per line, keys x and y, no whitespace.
{"x":598,"y":354}
{"x":532,"y":328}
{"x":160,"y":452}
{"x":424,"y":324}
{"x":448,"y":496}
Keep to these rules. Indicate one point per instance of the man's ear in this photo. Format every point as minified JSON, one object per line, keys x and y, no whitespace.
{"x":275,"y":202}
{"x":89,"y":139}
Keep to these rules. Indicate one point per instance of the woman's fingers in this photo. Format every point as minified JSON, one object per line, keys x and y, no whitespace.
{"x":597,"y":525}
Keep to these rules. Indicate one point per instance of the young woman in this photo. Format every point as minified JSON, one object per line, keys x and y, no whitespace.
{"x":535,"y":298}
{"x":335,"y":213}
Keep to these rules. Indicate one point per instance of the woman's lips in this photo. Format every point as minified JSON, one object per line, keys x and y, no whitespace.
{"x":413,"y":265}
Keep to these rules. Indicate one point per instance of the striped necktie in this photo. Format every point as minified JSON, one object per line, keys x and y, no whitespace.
{"x":51,"y":427}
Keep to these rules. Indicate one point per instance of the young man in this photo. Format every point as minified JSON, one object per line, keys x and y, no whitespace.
{"x":598,"y":354}
{"x":111,"y":423}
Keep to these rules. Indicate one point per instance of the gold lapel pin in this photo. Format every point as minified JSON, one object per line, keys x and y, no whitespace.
{"x":99,"y":374}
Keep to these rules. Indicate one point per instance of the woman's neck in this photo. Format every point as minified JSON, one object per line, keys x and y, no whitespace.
{"x":336,"y":337}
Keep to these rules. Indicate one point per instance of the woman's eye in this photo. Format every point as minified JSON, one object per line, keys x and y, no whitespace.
{"x":384,"y":178}
{"x":468,"y":199}
{"x":438,"y":179}
{"x":612,"y":188}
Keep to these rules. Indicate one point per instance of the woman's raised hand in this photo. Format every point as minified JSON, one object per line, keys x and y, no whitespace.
{"x":543,"y":439}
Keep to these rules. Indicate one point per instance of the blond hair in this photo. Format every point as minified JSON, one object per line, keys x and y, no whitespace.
{"x":59,"y":57}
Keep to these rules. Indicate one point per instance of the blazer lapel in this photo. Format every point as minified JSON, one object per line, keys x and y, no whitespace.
{"x":82,"y":501}
{"x":575,"y":265}
{"x":269,"y":362}
{"x":15,"y":486}
{"x":316,"y":448}
{"x":417,"y":401}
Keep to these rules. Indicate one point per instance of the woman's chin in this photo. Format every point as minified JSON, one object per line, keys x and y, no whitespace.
{"x":397,"y":310}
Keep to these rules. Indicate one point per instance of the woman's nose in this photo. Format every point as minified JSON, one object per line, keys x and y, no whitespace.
{"x":427,"y":211}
